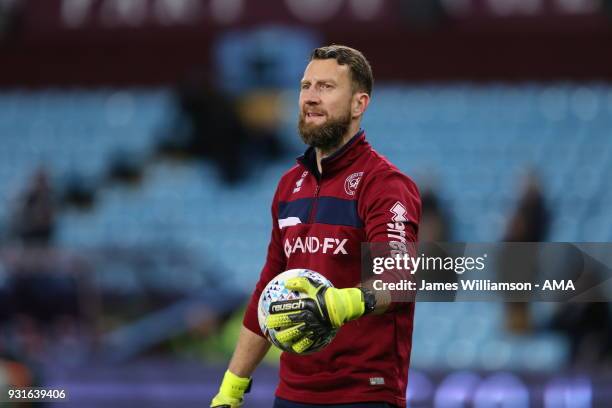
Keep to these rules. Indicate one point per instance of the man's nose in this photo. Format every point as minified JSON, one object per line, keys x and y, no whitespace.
{"x":311,"y":96}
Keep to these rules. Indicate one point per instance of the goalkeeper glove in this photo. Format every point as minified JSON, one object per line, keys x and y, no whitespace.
{"x":325,"y":309}
{"x":231,"y":391}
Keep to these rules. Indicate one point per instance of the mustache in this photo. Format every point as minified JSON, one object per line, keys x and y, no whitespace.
{"x":316,"y":112}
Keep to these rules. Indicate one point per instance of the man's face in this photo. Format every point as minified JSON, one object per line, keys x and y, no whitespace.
{"x":325,"y":104}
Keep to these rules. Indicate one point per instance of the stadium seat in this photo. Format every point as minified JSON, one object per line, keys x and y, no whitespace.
{"x":474,"y":142}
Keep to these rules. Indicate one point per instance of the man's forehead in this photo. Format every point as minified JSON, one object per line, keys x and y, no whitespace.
{"x":325,"y":69}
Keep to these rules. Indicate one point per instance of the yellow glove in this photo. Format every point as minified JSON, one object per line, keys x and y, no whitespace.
{"x":311,"y":318}
{"x":231,"y":391}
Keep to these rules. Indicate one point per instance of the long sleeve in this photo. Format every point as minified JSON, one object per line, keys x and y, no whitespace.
{"x":390,"y":206}
{"x":275,"y":264}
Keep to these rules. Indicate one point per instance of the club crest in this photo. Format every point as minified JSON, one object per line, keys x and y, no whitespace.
{"x":352,"y":182}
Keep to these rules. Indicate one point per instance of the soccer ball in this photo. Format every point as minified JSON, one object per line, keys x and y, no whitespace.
{"x":274,"y":291}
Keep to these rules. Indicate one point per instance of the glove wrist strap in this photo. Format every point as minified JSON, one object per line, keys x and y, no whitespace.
{"x":234,"y":386}
{"x":357,"y":304}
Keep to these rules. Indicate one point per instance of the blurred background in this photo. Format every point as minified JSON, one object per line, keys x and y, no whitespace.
{"x":141,"y":142}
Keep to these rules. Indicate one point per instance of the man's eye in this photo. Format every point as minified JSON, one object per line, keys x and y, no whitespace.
{"x":304,"y":86}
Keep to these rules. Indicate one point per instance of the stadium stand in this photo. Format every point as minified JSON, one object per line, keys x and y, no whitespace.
{"x":472,"y":143}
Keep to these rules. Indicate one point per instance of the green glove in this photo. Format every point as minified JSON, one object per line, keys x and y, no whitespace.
{"x":307,"y":319}
{"x":231,"y":391}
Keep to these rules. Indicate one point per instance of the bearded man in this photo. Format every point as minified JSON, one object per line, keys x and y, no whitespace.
{"x":343,"y":193}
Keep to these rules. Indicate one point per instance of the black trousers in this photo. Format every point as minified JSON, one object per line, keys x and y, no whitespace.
{"x":281,"y":403}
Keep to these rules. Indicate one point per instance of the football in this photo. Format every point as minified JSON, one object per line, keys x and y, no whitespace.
{"x":274,"y":291}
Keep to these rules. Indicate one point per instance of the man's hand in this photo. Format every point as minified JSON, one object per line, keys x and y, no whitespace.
{"x":312,"y":318}
{"x":231,"y":391}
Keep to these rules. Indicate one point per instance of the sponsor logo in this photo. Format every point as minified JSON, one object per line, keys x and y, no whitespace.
{"x":298,"y":184}
{"x":377,"y":381}
{"x":399,"y":212}
{"x":396,"y":230}
{"x":352,"y":182}
{"x":288,"y":306}
{"x":314,"y":245}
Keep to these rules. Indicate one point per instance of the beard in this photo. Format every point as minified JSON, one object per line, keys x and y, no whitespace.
{"x":326,"y":136}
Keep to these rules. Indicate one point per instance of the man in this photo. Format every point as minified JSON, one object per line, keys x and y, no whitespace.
{"x":340,"y":194}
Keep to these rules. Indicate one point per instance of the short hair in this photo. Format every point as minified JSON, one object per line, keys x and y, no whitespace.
{"x":361,"y":71}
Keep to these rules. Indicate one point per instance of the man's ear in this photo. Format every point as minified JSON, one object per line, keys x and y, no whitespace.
{"x":361,"y":100}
